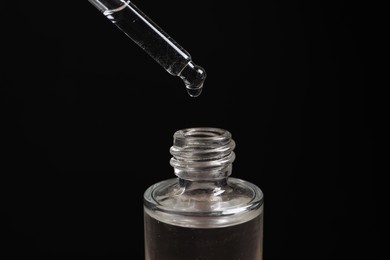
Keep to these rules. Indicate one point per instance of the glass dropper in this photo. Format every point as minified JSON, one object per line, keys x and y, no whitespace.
{"x":154,"y":41}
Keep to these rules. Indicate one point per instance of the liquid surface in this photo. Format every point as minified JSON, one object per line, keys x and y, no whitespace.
{"x":170,"y":242}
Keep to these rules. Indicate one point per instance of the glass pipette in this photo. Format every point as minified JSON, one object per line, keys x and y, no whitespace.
{"x":154,"y":41}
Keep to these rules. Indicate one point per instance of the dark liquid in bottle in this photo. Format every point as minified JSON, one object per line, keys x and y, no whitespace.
{"x":169,"y":242}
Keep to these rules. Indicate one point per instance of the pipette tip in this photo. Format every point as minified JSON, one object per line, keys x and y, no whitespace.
{"x":193,"y":77}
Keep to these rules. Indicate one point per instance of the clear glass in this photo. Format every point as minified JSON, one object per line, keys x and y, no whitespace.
{"x":154,"y":41}
{"x":203,"y":213}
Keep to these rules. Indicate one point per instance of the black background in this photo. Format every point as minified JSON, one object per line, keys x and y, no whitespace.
{"x":87,"y":120}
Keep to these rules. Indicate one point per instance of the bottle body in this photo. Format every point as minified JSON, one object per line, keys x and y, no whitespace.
{"x":203,"y":213}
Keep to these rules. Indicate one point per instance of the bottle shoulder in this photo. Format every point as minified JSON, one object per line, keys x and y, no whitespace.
{"x":233,"y":201}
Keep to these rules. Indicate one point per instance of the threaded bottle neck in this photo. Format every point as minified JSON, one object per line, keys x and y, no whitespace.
{"x":202,"y":154}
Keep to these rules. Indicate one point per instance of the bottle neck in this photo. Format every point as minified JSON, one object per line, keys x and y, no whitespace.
{"x":202,"y":155}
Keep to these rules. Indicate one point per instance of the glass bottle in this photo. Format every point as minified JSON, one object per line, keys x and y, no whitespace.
{"x":203,"y":213}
